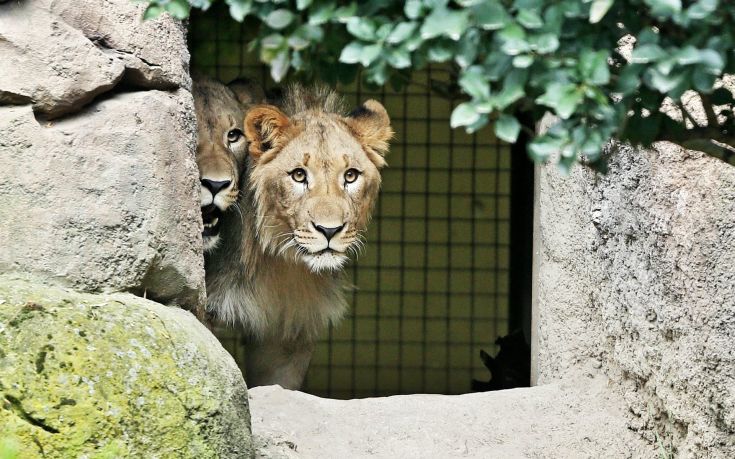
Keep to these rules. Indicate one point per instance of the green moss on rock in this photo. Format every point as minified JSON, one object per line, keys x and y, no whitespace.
{"x":106,"y":376}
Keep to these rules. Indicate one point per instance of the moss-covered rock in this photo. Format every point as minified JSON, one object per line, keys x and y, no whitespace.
{"x":103,"y":376}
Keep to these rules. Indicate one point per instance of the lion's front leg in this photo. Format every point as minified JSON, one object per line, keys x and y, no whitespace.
{"x":276,"y":362}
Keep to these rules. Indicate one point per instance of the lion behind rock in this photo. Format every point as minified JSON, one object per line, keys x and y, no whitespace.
{"x":312,"y":177}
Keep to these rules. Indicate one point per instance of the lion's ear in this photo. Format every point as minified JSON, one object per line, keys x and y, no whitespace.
{"x":370,"y":124}
{"x":265,"y":128}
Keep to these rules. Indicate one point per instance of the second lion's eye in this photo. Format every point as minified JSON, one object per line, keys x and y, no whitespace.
{"x":234,"y":135}
{"x":298,"y":175}
{"x":351,"y":175}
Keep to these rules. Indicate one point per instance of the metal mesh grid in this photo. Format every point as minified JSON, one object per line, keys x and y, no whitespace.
{"x":432,"y":285}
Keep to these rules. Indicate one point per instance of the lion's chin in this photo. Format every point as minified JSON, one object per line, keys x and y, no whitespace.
{"x":326,"y":260}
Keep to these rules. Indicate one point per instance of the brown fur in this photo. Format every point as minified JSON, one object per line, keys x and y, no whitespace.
{"x":276,"y":272}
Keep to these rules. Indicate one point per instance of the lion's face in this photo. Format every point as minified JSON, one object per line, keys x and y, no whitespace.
{"x":315,"y":179}
{"x":221,"y":151}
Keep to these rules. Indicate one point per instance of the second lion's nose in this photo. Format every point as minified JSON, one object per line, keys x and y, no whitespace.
{"x":215,"y":186}
{"x":328,"y":232}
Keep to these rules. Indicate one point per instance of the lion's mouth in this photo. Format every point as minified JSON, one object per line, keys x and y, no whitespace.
{"x":211,"y":216}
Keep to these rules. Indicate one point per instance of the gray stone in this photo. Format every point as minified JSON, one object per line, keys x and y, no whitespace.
{"x":106,"y":199}
{"x":61,"y":54}
{"x":113,"y":375}
{"x":583,"y":419}
{"x":636,"y":276}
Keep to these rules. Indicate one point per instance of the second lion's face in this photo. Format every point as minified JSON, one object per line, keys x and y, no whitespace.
{"x":221,"y":151}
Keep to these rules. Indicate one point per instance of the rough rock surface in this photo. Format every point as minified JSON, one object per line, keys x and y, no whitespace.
{"x":98,"y":181}
{"x":85,"y":375}
{"x":105,"y":199}
{"x":554,"y":421}
{"x":80,"y":49}
{"x":637,"y":278}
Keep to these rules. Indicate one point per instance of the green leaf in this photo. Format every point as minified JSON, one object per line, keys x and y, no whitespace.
{"x":512,"y":90}
{"x":279,"y":66}
{"x":702,"y":9}
{"x":362,"y":28}
{"x":345,"y":13}
{"x":523,"y":61}
{"x":398,"y":58}
{"x":178,"y":8}
{"x":703,"y":80}
{"x":629,"y":79}
{"x":444,"y":22}
{"x":468,"y":47}
{"x":563,"y":98}
{"x":507,"y":128}
{"x":598,"y":10}
{"x":664,"y":8}
{"x":647,"y":53}
{"x":239,"y":9}
{"x":273,"y":41}
{"x":152,"y":12}
{"x":529,"y":19}
{"x":413,"y":9}
{"x":279,"y":19}
{"x":302,"y":4}
{"x":661,"y":82}
{"x":402,"y":32}
{"x":490,"y":15}
{"x":474,"y":83}
{"x":542,"y":147}
{"x":351,"y":53}
{"x":440,"y":52}
{"x":369,"y":54}
{"x":464,"y":114}
{"x":593,"y":67}
{"x":321,"y":13}
{"x":544,"y":44}
{"x":513,"y":39}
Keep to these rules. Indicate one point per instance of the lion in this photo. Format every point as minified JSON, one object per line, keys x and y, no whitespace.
{"x":221,"y":147}
{"x":311,"y":178}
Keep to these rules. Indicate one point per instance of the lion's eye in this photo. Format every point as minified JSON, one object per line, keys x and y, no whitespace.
{"x":234,"y":135}
{"x":298,"y":175}
{"x":351,"y":175}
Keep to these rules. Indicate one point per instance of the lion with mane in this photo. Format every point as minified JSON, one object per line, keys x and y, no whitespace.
{"x":307,"y":188}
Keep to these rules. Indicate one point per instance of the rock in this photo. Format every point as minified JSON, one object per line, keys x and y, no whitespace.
{"x":80,"y":50}
{"x":581,"y":419}
{"x":107,"y":199}
{"x":637,"y":267}
{"x":84,"y":375}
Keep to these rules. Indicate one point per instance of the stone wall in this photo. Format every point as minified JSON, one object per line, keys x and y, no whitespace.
{"x":636,"y":278}
{"x":98,"y":181}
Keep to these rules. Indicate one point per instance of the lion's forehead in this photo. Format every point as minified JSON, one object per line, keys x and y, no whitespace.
{"x":327,"y":141}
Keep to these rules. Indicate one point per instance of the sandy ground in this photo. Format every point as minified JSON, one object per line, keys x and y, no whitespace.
{"x":570,"y":420}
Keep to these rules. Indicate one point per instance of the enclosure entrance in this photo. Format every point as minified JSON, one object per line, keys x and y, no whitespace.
{"x":433,"y":286}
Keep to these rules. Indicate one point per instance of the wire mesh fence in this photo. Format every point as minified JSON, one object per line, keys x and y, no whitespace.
{"x":432,"y":287}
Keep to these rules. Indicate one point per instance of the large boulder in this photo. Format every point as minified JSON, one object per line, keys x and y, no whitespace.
{"x":637,"y":279}
{"x":98,"y":181}
{"x":84,"y":375}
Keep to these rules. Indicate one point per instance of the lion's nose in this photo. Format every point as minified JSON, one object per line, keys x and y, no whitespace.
{"x":328,"y":232}
{"x":215,"y":186}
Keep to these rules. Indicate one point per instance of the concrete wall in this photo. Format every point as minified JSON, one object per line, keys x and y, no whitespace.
{"x":636,"y":279}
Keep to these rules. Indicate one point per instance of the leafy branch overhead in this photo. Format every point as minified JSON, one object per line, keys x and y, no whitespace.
{"x":518,"y":59}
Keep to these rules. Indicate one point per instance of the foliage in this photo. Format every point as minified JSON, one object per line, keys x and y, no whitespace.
{"x":514,"y":60}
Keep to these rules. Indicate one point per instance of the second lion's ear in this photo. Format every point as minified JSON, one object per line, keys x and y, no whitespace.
{"x":266,"y":128}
